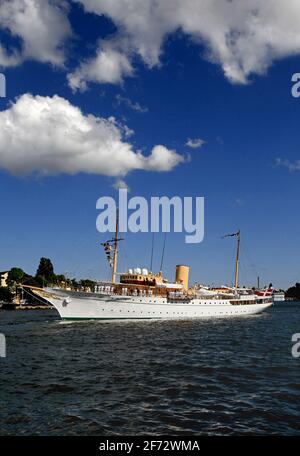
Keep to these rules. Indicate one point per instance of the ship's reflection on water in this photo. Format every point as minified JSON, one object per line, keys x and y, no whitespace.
{"x":231,"y":376}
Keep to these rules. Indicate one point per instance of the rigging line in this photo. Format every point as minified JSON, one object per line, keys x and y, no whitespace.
{"x":35,"y":297}
{"x":252,"y":264}
{"x":163,"y":252}
{"x":126,"y":255}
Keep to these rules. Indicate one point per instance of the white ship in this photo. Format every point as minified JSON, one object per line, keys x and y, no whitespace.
{"x":279,"y":296}
{"x":140,"y":294}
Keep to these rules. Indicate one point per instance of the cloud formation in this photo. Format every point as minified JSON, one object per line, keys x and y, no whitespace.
{"x":48,"y":136}
{"x":243,"y":37}
{"x":109,"y":66}
{"x":134,"y":105}
{"x":195,"y":143}
{"x":41,"y":26}
{"x":120,"y":183}
{"x":291,"y":166}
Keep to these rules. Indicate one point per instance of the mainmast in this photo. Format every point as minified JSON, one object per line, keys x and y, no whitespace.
{"x":236,"y":278}
{"x":236,"y":275}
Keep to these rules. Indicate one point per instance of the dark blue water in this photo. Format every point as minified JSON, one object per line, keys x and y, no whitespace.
{"x":221,"y":377}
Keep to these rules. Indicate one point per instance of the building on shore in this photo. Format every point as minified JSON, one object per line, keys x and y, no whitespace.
{"x":3,"y":278}
{"x":279,"y":296}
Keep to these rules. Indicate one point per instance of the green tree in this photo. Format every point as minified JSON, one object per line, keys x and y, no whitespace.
{"x":33,"y":281}
{"x":45,"y":272}
{"x":15,"y":276}
{"x":294,"y":292}
{"x":87,"y":284}
{"x":61,"y":279}
{"x":5,"y":294}
{"x":74,"y":284}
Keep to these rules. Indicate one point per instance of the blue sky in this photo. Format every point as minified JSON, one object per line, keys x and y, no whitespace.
{"x":247,"y":125}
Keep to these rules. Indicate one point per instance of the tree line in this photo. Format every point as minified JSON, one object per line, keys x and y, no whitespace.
{"x":44,"y":277}
{"x":293,"y":292}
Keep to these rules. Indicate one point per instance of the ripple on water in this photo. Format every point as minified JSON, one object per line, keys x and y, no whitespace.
{"x":223,"y":377}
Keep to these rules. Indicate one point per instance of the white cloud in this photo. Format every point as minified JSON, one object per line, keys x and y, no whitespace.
{"x":195,"y":143}
{"x":239,"y":202}
{"x":134,"y":105}
{"x":120,"y":183}
{"x":291,"y":166}
{"x":48,"y":136}
{"x":42,"y":27}
{"x":162,"y":159}
{"x":243,"y":37}
{"x":109,"y":66}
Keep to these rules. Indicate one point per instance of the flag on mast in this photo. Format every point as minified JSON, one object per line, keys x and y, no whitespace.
{"x":108,"y":249}
{"x":231,"y":235}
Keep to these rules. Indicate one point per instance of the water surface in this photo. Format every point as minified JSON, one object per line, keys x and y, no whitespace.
{"x":216,"y":376}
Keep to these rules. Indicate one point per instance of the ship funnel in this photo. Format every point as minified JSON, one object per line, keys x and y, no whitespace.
{"x":182,"y":275}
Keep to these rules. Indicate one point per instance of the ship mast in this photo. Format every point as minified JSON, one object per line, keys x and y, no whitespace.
{"x":116,"y":246}
{"x":237,"y":260}
{"x":112,"y":246}
{"x":236,"y":278}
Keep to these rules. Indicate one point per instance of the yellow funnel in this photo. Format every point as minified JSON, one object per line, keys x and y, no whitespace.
{"x":182,"y":275}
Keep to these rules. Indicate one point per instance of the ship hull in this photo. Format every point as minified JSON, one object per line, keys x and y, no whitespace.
{"x":92,"y":306}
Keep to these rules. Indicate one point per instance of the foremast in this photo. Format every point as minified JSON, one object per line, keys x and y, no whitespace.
{"x":111,"y":249}
{"x":116,"y":250}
